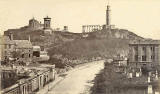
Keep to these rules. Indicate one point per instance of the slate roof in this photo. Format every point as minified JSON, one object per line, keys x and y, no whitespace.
{"x":17,"y":43}
{"x":23,"y":44}
{"x":5,"y":40}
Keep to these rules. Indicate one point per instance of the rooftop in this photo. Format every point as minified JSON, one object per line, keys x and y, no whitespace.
{"x":23,"y":44}
{"x":145,"y":42}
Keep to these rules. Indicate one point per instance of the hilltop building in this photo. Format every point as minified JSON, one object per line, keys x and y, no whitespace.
{"x":107,"y":26}
{"x":65,"y":29}
{"x":47,"y":25}
{"x":144,"y":53}
{"x":34,"y":24}
{"x":108,"y":19}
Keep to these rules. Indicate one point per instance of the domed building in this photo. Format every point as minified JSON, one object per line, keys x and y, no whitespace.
{"x":34,"y":24}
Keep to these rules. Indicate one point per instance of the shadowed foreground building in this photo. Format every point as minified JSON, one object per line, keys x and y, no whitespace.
{"x":30,"y":79}
{"x":144,"y":53}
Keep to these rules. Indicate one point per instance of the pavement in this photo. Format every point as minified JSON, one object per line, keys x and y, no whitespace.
{"x":50,"y":85}
{"x":75,"y":81}
{"x":79,"y":80}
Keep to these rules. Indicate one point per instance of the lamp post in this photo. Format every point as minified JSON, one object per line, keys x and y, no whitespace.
{"x":48,"y":86}
{"x":0,"y":78}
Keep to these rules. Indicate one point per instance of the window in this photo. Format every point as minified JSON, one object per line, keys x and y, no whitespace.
{"x":143,"y":58}
{"x":144,"y":49}
{"x":152,"y":57}
{"x":9,"y":46}
{"x":136,"y":48}
{"x":136,"y":51}
{"x":5,"y":52}
{"x":10,"y":75}
{"x":143,"y":53}
{"x":5,"y":46}
{"x":22,"y":55}
{"x":136,"y":57}
{"x":36,"y":53}
{"x":152,"y":48}
{"x":29,"y":55}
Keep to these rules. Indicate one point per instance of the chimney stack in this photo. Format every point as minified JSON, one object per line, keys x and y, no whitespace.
{"x":65,"y":28}
{"x":11,"y":36}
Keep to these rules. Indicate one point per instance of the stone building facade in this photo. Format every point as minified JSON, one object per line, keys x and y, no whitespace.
{"x":146,"y":52}
{"x":15,"y":49}
{"x":6,"y":47}
{"x":8,"y":77}
{"x":25,"y":48}
{"x":35,"y":80}
{"x":34,"y":24}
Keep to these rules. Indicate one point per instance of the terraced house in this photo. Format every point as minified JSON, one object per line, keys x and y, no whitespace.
{"x":6,"y":47}
{"x":11,"y":49}
{"x":27,"y":80}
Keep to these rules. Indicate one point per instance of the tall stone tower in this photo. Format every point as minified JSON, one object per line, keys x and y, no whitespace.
{"x":47,"y":23}
{"x":108,"y":19}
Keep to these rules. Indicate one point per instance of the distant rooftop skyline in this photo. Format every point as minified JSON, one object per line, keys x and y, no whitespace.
{"x":139,"y":16}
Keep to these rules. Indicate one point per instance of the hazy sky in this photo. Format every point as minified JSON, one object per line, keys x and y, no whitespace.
{"x":139,"y":16}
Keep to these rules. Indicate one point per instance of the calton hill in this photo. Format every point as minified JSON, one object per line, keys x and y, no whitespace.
{"x":69,"y":49}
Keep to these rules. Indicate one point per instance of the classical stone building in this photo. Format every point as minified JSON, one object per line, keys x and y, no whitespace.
{"x":146,"y":52}
{"x":34,"y":24}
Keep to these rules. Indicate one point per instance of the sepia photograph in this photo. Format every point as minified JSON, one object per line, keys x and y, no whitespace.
{"x":79,"y":46}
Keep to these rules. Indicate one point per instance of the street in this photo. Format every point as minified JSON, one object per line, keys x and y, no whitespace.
{"x":78,"y":81}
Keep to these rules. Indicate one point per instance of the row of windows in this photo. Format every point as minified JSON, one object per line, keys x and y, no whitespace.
{"x":8,"y":46}
{"x":7,"y":75}
{"x":144,"y":50}
{"x":152,"y":48}
{"x":23,"y":55}
{"x":144,"y":57}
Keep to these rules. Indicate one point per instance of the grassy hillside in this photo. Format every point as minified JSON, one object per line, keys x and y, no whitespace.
{"x":88,"y":48}
{"x":66,"y":47}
